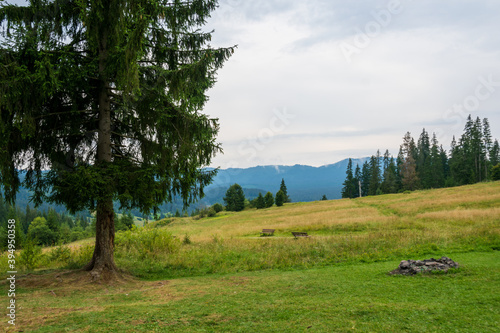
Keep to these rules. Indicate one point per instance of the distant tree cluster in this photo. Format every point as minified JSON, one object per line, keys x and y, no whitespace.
{"x":425,"y":164}
{"x":210,"y":211}
{"x":235,"y":198}
{"x":269,"y":200}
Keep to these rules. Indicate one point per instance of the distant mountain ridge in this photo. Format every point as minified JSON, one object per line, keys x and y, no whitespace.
{"x":304,"y":183}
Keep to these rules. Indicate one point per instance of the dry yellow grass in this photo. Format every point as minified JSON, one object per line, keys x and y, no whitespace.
{"x":439,"y":209}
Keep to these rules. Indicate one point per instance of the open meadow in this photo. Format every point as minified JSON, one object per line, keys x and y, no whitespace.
{"x":217,"y":274}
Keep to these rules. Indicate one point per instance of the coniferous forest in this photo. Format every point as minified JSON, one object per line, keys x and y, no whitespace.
{"x":424,"y":164}
{"x":49,"y":227}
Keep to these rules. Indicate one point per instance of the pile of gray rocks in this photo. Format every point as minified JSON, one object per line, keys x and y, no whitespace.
{"x":412,"y":267}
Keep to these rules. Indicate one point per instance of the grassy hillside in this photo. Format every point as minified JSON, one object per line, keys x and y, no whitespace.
{"x":434,"y":222}
{"x":444,"y":209}
{"x":223,"y":277}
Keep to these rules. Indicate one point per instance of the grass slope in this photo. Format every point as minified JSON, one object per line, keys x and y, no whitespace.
{"x":218,"y":275}
{"x":460,"y":206}
{"x":380,"y":228}
{"x":347,"y":298}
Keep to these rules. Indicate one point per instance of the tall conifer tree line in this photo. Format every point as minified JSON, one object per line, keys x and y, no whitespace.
{"x":424,"y":164}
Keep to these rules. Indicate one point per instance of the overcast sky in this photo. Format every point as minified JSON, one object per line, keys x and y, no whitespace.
{"x":313,"y":82}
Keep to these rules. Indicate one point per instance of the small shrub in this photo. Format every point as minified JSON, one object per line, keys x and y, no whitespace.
{"x":61,"y":254}
{"x":203,"y":213}
{"x":31,"y":255}
{"x":211,"y":212}
{"x":186,"y":240}
{"x":81,"y":256}
{"x":218,"y":207}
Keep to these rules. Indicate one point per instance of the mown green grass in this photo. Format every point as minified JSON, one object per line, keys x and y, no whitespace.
{"x":342,"y":298}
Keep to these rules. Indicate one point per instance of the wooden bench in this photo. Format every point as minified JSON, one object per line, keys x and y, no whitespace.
{"x":299,"y":234}
{"x":267,"y":232}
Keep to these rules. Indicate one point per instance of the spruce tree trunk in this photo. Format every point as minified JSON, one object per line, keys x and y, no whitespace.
{"x":102,"y":266}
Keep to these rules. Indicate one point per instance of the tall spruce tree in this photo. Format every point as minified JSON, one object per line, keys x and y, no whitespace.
{"x":349,"y":189}
{"x":284,"y":190}
{"x":478,"y":150}
{"x":107,"y":95}
{"x":488,"y":144}
{"x":408,"y":168}
{"x":452,"y":162}
{"x":365,"y":178}
{"x":423,"y":161}
{"x":465,"y":155}
{"x":469,"y":161}
{"x":445,"y":164}
{"x":260,"y":202}
{"x":235,"y":198}
{"x":385,"y":159}
{"x":389,"y":183}
{"x":495,"y":154}
{"x":409,"y":176}
{"x":399,"y":167}
{"x":437,"y":174}
{"x":269,"y":199}
{"x":375,"y":174}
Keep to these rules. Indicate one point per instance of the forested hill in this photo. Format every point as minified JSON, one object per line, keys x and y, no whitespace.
{"x":304,"y":183}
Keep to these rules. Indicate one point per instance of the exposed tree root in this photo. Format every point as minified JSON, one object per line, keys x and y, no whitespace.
{"x":103,"y":271}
